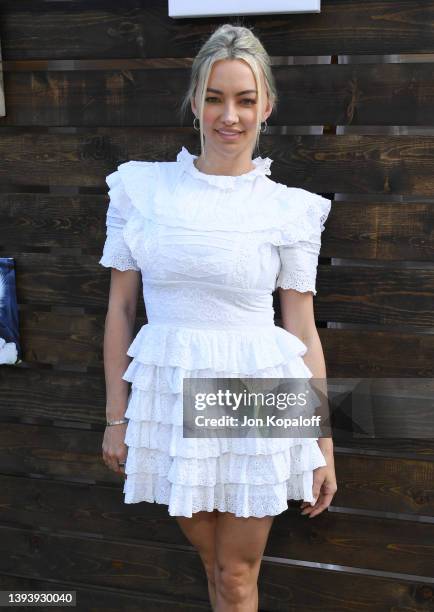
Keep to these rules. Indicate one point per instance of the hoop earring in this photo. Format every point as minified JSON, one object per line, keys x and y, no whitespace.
{"x":196,"y":126}
{"x":265,"y":127}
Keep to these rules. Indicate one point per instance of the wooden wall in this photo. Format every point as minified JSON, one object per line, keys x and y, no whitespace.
{"x":90,"y":85}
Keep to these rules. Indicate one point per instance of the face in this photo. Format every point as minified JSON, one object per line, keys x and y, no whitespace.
{"x":230,"y":109}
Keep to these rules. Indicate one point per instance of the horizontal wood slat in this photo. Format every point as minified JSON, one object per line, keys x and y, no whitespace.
{"x":366,"y":482}
{"x":45,"y":395}
{"x":34,"y":29}
{"x":346,"y":294}
{"x":377,"y":353}
{"x":175,"y":572}
{"x":76,"y":341}
{"x":62,"y":338}
{"x":357,"y":164}
{"x":387,"y":231}
{"x":34,"y":221}
{"x":383,"y":544}
{"x":99,"y":599}
{"x":358,"y":94}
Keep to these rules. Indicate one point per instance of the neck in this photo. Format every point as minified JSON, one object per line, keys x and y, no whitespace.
{"x":224,"y":166}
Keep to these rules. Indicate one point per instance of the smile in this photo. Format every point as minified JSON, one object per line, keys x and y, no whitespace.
{"x":229,"y":135}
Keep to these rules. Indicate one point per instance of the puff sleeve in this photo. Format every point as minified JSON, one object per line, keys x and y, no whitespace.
{"x":299,"y":260}
{"x":116,"y":253}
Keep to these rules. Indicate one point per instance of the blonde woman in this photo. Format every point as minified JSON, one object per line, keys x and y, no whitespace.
{"x":212,"y":236}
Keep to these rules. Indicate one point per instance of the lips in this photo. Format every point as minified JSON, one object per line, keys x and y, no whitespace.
{"x":228,"y":135}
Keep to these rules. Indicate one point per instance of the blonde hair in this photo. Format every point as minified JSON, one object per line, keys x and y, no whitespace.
{"x":230,"y":42}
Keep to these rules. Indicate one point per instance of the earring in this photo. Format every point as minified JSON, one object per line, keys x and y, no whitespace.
{"x":265,"y":127}
{"x":196,"y":126}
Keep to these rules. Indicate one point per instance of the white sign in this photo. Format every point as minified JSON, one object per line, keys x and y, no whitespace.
{"x":215,"y":8}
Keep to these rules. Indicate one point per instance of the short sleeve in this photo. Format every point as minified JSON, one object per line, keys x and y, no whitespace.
{"x":116,"y":253}
{"x":299,"y":260}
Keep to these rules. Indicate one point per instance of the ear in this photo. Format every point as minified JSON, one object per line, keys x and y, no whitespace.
{"x":268,"y":109}
{"x":193,"y":107}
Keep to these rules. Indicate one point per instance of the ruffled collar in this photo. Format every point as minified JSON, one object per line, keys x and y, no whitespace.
{"x":186,"y":159}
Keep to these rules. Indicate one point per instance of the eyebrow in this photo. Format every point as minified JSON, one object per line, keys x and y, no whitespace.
{"x":240,"y":93}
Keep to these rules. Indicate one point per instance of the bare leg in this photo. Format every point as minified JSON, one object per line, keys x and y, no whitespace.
{"x":200,"y":531}
{"x":240,"y":544}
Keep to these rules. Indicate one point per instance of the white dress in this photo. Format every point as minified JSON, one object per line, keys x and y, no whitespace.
{"x":211,"y":250}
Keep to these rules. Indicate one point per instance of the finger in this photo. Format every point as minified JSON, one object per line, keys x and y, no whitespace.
{"x":112,"y":463}
{"x":309,"y":507}
{"x":318,"y":510}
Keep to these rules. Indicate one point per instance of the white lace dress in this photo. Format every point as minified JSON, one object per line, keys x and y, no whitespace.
{"x":211,"y":250}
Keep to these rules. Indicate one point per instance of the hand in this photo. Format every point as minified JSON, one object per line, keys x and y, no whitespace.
{"x":114,"y":449}
{"x":324,"y":488}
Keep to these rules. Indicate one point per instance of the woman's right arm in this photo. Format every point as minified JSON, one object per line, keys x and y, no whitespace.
{"x":119,"y":326}
{"x":118,"y":332}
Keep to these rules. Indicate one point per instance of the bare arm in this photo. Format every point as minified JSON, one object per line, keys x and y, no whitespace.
{"x":298,"y":318}
{"x":118,"y":332}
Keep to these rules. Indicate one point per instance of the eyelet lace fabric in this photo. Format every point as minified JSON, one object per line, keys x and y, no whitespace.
{"x":211,"y":250}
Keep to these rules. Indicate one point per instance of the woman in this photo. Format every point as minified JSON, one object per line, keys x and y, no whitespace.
{"x":213,"y":236}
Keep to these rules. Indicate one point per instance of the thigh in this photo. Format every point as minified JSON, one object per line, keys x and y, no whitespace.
{"x":200,"y":531}
{"x":241,"y":541}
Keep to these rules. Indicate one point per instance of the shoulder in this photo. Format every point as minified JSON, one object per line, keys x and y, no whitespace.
{"x":304,"y":202}
{"x":130,"y":172}
{"x":137,"y":171}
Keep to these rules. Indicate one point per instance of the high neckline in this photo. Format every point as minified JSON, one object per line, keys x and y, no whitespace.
{"x":186,"y":161}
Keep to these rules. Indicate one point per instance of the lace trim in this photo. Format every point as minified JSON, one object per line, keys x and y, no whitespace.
{"x":116,"y":253}
{"x":296,"y":280}
{"x":241,"y":500}
{"x":186,"y":159}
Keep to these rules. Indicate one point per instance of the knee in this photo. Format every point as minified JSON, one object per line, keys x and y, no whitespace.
{"x":235,"y":582}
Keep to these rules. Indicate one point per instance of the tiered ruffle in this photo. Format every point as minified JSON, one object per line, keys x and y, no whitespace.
{"x":250,"y":476}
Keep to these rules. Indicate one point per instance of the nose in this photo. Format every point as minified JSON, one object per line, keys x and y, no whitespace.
{"x":230,"y":114}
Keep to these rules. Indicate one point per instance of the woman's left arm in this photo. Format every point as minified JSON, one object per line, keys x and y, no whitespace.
{"x":298,"y":318}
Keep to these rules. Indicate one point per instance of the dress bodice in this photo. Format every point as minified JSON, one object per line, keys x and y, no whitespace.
{"x":212,"y":248}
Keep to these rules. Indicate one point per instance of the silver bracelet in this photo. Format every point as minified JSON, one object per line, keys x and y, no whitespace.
{"x":117,"y":422}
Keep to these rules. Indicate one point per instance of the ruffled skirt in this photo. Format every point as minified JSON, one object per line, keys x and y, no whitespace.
{"x":245,"y":476}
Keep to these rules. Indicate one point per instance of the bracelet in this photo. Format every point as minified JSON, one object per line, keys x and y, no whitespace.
{"x":117,"y":422}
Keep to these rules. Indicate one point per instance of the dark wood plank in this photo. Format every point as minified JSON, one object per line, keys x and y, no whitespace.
{"x":163,"y":571}
{"x":379,"y":231}
{"x":67,"y":339}
{"x":145,"y":568}
{"x":32,"y":29}
{"x":368,"y":482}
{"x":33,"y":222}
{"x":62,"y":338}
{"x":348,"y":352}
{"x":384,"y":544}
{"x":346,"y":94}
{"x":102,"y":599}
{"x":41,"y":281}
{"x":346,"y":294}
{"x":45,"y":394}
{"x":376,"y":296}
{"x":363,"y":230}
{"x":324,"y":164}
{"x":355,"y":352}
